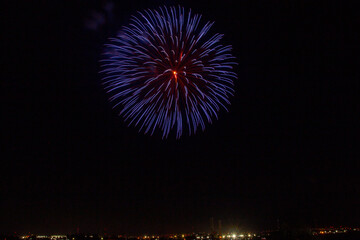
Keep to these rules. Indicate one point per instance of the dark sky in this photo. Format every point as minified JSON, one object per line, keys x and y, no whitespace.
{"x":288,"y":149}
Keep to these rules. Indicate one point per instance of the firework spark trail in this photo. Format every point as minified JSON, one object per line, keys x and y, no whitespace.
{"x":166,"y":72}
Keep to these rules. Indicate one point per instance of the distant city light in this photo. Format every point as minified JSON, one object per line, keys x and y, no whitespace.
{"x":197,"y":236}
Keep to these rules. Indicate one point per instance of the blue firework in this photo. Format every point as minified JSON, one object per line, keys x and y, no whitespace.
{"x":165,"y":71}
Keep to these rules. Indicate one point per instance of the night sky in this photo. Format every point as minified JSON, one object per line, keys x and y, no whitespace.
{"x":288,"y":148}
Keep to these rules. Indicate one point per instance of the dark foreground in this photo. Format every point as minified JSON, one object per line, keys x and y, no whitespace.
{"x":352,"y":235}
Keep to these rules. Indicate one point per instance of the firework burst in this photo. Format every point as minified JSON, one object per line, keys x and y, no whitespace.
{"x":166,"y":72}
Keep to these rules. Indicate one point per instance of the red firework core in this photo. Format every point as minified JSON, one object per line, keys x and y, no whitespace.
{"x":175,"y":75}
